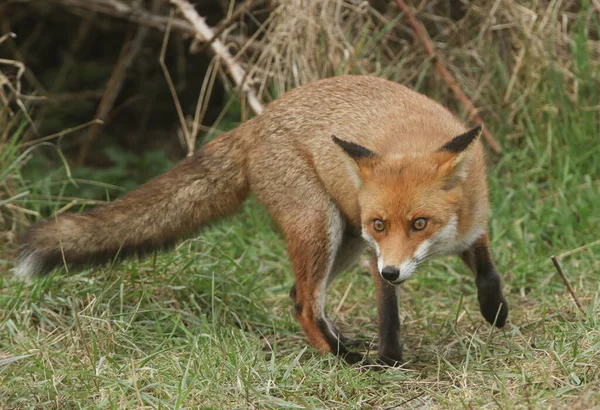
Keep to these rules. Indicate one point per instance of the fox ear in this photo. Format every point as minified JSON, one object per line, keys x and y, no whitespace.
{"x":459,"y":144}
{"x":454,"y":156}
{"x":363,"y":159}
{"x":355,"y":151}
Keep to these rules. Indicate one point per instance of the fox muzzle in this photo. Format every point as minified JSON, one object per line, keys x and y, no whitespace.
{"x":390,"y":273}
{"x":397,"y":276}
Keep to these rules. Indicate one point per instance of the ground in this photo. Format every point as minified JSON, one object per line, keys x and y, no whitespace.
{"x":210,"y":324}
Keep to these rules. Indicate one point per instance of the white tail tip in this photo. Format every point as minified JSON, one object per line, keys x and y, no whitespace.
{"x":28,"y":265}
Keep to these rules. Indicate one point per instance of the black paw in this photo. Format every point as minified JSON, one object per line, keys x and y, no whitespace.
{"x":366,"y":363}
{"x":390,"y":356}
{"x":353,"y":358}
{"x":492,"y":304}
{"x":356,"y":343}
{"x":494,"y":309}
{"x":389,"y":362}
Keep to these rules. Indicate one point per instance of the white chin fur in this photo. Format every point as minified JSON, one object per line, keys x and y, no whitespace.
{"x":27,"y":266}
{"x":406,"y":270}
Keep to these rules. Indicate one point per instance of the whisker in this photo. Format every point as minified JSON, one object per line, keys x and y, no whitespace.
{"x":427,"y":257}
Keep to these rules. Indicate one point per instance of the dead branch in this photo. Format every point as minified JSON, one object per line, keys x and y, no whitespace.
{"x":115,"y":84}
{"x":204,"y":32}
{"x":116,"y":8}
{"x":241,"y":10}
{"x":121,"y":10}
{"x":15,"y":88}
{"x":446,"y":75}
{"x":579,"y":249}
{"x":60,"y":134}
{"x":7,"y":35}
{"x":188,"y":140}
{"x":567,"y":282}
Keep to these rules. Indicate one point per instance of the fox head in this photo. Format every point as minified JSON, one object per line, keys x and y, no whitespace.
{"x":410,"y":205}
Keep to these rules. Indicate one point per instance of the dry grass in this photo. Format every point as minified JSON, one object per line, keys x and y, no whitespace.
{"x":511,"y":41}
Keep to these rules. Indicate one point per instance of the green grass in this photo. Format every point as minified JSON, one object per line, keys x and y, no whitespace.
{"x":210,"y":324}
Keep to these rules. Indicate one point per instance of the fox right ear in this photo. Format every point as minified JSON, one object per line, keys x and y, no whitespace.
{"x":362,"y":162}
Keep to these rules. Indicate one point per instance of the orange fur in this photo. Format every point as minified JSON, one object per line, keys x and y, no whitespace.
{"x":403,"y":161}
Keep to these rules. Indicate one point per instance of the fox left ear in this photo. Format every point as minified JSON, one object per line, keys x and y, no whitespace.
{"x":355,"y":151}
{"x":362,"y":159}
{"x":455,"y":156}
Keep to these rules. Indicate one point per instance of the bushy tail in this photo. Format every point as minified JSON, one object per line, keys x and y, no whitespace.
{"x":210,"y":184}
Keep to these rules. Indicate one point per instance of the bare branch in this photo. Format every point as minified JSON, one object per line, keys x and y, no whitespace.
{"x":163,"y":66}
{"x":7,"y":35}
{"x":241,"y":10}
{"x":121,"y":10}
{"x":116,"y":8}
{"x":567,"y":282}
{"x":16,"y":88}
{"x":128,"y":55}
{"x":204,"y":32}
{"x":446,"y":75}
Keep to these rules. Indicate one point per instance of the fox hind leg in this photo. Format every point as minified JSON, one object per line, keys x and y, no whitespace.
{"x":492,"y":303}
{"x":314,"y":229}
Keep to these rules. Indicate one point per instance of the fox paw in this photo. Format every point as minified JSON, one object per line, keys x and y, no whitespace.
{"x":356,"y":343}
{"x":494,"y":309}
{"x":387,"y":362}
{"x":353,"y":358}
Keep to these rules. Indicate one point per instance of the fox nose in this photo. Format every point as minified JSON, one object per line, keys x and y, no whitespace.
{"x":390,"y":273}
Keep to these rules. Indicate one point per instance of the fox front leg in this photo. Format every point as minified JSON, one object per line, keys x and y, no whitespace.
{"x":308,"y":296}
{"x":388,"y":320}
{"x":313,"y":248}
{"x":492,"y":303}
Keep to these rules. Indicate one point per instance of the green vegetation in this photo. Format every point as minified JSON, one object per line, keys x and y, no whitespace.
{"x":210,"y":323}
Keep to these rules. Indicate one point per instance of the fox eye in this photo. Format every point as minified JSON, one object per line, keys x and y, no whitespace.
{"x":378,"y":225}
{"x":419,"y":224}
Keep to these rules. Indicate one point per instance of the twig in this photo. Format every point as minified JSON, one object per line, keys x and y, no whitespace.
{"x":579,"y":249}
{"x":7,"y":35}
{"x":68,"y":63}
{"x":567,"y":282}
{"x":248,"y":5}
{"x":446,"y":75}
{"x":61,"y":133}
{"x":122,"y":10}
{"x":115,"y":84}
{"x":138,"y":394}
{"x":75,"y":96}
{"x":167,"y":75}
{"x":518,"y":63}
{"x":203,"y":31}
{"x":204,"y":98}
{"x":16,"y":89}
{"x":15,"y":50}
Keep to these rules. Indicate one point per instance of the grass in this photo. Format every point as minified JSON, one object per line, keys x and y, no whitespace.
{"x":210,"y":324}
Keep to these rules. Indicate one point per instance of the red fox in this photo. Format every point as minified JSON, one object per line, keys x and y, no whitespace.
{"x":340,"y":164}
